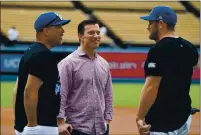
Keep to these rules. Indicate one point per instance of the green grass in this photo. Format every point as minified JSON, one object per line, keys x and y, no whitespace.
{"x":125,"y":94}
{"x":195,"y":95}
{"x":128,"y":95}
{"x":7,"y":94}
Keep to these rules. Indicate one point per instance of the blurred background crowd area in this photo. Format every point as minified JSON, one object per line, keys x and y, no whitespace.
{"x":124,"y":45}
{"x":120,"y":21}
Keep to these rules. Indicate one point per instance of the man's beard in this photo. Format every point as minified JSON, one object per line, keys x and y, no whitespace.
{"x":154,"y":35}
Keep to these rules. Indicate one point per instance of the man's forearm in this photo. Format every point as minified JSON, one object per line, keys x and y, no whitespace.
{"x":108,"y":99}
{"x":108,"y":113}
{"x":148,"y":97}
{"x":30,"y":104}
{"x":108,"y":107}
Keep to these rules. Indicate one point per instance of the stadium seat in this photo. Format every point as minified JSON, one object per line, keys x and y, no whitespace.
{"x":37,"y":4}
{"x":24,"y":18}
{"x":133,"y":4}
{"x":130,"y":27}
{"x":126,"y":25}
{"x":196,"y":4}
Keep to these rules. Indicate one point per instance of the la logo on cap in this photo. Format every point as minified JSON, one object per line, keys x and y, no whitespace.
{"x":59,"y":16}
{"x":160,"y":17}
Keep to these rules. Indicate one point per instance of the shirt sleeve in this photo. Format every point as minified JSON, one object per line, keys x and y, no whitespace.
{"x":153,"y":64}
{"x":195,"y":58}
{"x":108,"y":98}
{"x":40,"y":65}
{"x":65,"y":74}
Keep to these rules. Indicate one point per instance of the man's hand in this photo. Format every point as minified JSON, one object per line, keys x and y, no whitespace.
{"x":143,"y":128}
{"x":108,"y":121}
{"x":63,"y":129}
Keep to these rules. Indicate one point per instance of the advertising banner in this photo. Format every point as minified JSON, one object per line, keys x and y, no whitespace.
{"x":130,"y":65}
{"x":122,"y":64}
{"x":10,"y":62}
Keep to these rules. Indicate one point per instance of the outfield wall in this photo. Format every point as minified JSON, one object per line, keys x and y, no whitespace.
{"x":126,"y":64}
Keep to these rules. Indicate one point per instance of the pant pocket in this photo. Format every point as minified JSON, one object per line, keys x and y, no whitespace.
{"x":108,"y":129}
{"x":31,"y":130}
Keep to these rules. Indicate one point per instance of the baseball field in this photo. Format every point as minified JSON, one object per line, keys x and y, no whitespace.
{"x":126,"y":99}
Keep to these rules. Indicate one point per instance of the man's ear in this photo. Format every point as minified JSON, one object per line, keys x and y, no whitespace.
{"x":46,"y":31}
{"x":162,"y":24}
{"x":80,"y":36}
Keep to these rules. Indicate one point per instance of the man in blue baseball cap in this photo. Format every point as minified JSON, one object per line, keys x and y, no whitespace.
{"x":37,"y":91}
{"x":165,"y":104}
{"x":162,"y":16}
{"x":49,"y":27}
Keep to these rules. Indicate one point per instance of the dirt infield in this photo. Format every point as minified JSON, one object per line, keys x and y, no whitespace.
{"x":123,"y":123}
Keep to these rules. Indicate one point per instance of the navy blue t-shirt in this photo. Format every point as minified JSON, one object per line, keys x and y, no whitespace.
{"x":172,"y":59}
{"x":40,"y":62}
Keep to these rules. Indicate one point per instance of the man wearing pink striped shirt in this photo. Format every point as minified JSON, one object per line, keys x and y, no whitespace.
{"x":86,"y":87}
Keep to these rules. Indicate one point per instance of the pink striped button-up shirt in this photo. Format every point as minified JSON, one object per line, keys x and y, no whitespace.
{"x":86,"y":92}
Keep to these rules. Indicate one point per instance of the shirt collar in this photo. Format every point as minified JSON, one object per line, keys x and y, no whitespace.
{"x":82,"y":53}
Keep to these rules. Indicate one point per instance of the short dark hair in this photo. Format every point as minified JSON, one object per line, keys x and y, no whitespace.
{"x":171,"y":27}
{"x":81,"y":26}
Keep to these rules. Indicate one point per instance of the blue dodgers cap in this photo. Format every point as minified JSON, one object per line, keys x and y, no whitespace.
{"x":49,"y":19}
{"x":163,"y":13}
